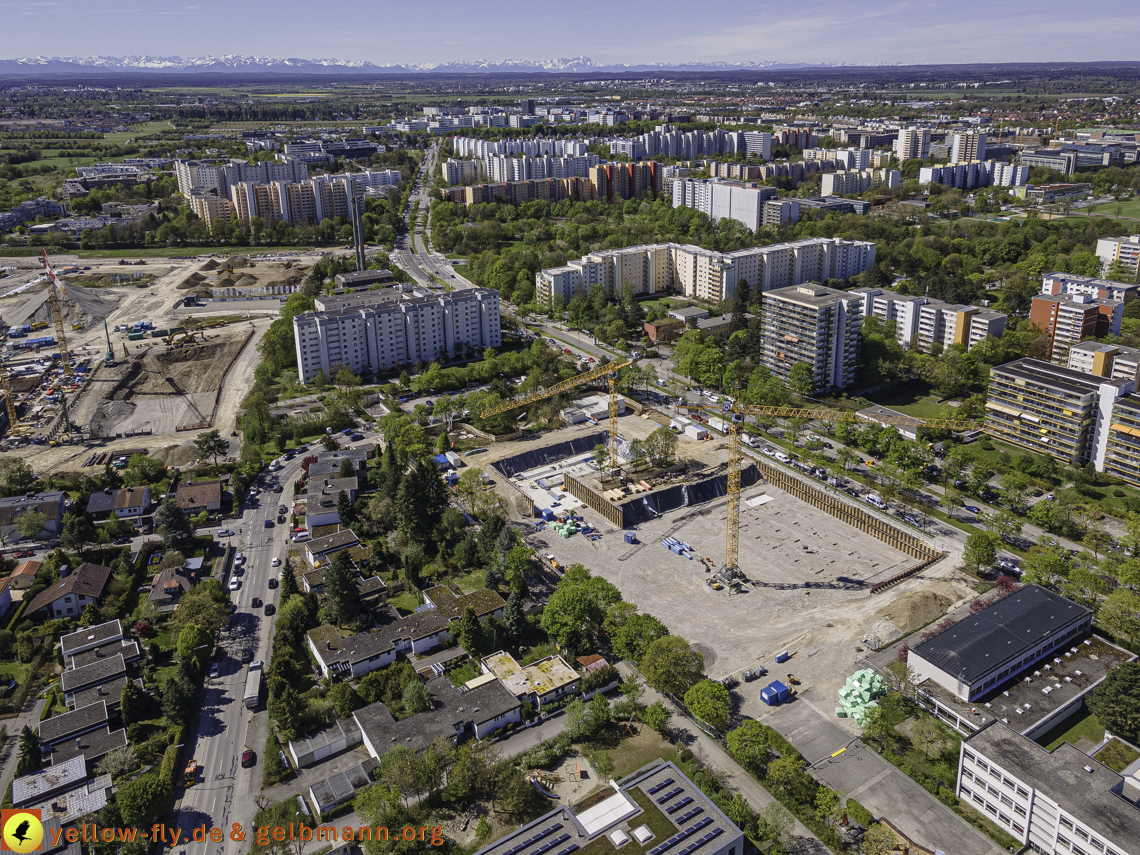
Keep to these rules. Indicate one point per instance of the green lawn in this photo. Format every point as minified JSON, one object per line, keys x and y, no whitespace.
{"x":405,"y":602}
{"x":631,"y":754}
{"x":136,"y":131}
{"x":1127,"y":209}
{"x":913,"y":400}
{"x":459,"y":676}
{"x":1117,"y":756}
{"x":1086,"y":724}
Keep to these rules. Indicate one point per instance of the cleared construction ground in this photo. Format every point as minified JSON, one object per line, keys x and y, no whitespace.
{"x":163,"y":391}
{"x":809,"y":574}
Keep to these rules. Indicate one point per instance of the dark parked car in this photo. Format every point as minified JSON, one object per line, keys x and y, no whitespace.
{"x":971,"y":509}
{"x":272,"y":584}
{"x":270,"y":608}
{"x":281,"y":519}
{"x":119,"y":541}
{"x":278,"y":489}
{"x":269,"y":523}
{"x":256,"y":603}
{"x":246,"y":657}
{"x":248,"y":759}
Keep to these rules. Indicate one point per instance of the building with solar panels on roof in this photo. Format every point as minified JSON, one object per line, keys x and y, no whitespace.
{"x":654,"y":811}
{"x":1000,"y":642}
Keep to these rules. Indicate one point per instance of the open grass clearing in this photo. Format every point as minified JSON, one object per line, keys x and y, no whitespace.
{"x":1085,"y":725}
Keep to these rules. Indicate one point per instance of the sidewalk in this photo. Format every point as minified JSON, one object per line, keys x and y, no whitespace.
{"x":29,"y":717}
{"x":712,"y":755}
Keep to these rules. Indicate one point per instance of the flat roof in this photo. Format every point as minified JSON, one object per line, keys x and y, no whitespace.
{"x":78,"y":720}
{"x":1056,"y":376}
{"x":1081,"y":785}
{"x":336,"y":731}
{"x":539,"y":677}
{"x":1001,"y":633}
{"x":37,"y":785}
{"x":91,"y":745}
{"x":93,"y":674}
{"x":129,"y":650}
{"x":340,"y":787}
{"x":111,"y":692}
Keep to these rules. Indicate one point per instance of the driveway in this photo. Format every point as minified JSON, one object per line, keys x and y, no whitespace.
{"x":875,"y":783}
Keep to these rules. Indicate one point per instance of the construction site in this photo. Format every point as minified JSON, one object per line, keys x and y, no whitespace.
{"x":828,"y":575}
{"x":125,"y":351}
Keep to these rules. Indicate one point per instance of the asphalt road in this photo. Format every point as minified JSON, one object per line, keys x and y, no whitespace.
{"x":222,"y":728}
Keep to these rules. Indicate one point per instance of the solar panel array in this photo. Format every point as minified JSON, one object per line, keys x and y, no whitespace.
{"x":656,"y":788}
{"x":685,"y":817}
{"x":693,"y":847}
{"x":683,"y":835}
{"x":687,"y":800}
{"x":573,"y":847}
{"x":676,"y":791}
{"x":530,"y":841}
{"x":546,"y":847}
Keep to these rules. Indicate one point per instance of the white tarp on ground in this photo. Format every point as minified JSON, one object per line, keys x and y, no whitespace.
{"x":757,"y":501}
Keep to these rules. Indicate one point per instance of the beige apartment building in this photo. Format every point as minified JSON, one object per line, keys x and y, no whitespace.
{"x":816,"y":325}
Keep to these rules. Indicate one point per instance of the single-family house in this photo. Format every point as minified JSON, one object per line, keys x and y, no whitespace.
{"x":356,"y":655}
{"x":51,"y":505}
{"x":194,"y":498}
{"x":478,"y":712}
{"x":71,"y":594}
{"x":540,"y":682}
{"x":320,"y":549}
{"x":484,"y":602}
{"x":328,"y":463}
{"x":130,"y":504}
{"x":24,"y":574}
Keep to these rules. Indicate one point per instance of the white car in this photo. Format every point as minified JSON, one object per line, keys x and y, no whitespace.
{"x":301,"y":537}
{"x":235,"y":583}
{"x":276,"y":562}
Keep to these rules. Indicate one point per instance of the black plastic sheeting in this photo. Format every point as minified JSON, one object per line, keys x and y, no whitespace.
{"x":511,"y":466}
{"x":646,"y":508}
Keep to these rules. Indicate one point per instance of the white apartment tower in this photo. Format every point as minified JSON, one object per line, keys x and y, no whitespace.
{"x":967,"y":146}
{"x":815,"y":325}
{"x":913,"y":143}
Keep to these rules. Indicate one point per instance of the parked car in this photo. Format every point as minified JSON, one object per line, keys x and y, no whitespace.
{"x":281,"y":519}
{"x":214,"y":671}
{"x":256,"y":602}
{"x":270,"y":608}
{"x":246,"y":656}
{"x":276,"y":562}
{"x":225,"y":532}
{"x":281,"y":509}
{"x":119,"y":541}
{"x":248,"y":759}
{"x":301,"y":537}
{"x":972,"y":509}
{"x":235,"y":583}
{"x":272,"y":584}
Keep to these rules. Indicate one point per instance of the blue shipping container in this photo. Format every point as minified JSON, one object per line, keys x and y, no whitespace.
{"x":630,"y":537}
{"x":783,"y":657}
{"x":547,"y":514}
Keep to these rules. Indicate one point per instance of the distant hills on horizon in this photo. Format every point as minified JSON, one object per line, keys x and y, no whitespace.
{"x":92,"y":65}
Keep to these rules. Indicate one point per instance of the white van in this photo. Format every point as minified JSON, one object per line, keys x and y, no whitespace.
{"x":301,"y":537}
{"x":783,"y":458}
{"x":875,"y":500}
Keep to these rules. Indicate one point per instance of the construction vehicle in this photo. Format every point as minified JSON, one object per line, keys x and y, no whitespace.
{"x":5,"y":386}
{"x":191,"y":776}
{"x":609,"y":372}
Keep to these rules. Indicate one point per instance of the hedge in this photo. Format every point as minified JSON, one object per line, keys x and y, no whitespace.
{"x":859,"y":814}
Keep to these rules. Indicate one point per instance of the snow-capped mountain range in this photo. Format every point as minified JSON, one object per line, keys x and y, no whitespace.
{"x":258,"y":64}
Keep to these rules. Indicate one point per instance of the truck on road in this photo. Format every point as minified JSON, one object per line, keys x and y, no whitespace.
{"x":191,"y":775}
{"x":253,"y":685}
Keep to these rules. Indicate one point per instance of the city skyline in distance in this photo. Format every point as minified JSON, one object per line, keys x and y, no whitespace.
{"x":666,"y":35}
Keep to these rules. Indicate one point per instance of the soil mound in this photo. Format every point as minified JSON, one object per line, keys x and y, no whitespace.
{"x":212,"y":264}
{"x":915,"y":609}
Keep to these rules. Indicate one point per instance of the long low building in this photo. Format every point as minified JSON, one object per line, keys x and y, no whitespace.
{"x":999,"y":643}
{"x":1059,"y":802}
{"x":397,"y":330}
{"x":356,"y":655}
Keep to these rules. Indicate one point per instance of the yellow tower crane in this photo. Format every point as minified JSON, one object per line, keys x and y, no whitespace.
{"x":55,"y":288}
{"x":734,"y":414}
{"x":610,"y":372}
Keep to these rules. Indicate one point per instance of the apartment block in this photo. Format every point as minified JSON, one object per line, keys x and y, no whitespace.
{"x":913,"y":143}
{"x":1122,"y":251}
{"x":853,"y":183}
{"x":1114,"y":361}
{"x":892,"y":306}
{"x":815,"y":325}
{"x":384,"y":330}
{"x":1053,"y":410}
{"x":721,"y":200}
{"x":950,"y":323}
{"x":1069,"y":319}
{"x":705,"y":274}
{"x":1101,"y":289}
{"x":1059,"y":802}
{"x":975,"y":173}
{"x":968,"y":146}
{"x":208,"y":207}
{"x":779,"y":212}
{"x":456,"y":171}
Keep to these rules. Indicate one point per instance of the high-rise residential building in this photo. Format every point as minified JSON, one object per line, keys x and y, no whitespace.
{"x":722,"y":200}
{"x":852,"y":183}
{"x":1102,"y":289}
{"x":815,"y":325}
{"x":967,"y":146}
{"x":1052,"y":410}
{"x":1059,"y":802}
{"x":779,"y":212}
{"x":1121,"y":254}
{"x":1114,"y":361}
{"x":705,"y":274}
{"x":948,"y":324}
{"x":912,"y":143}
{"x":1068,"y":319}
{"x":455,"y":171}
{"x":903,"y":309}
{"x":209,"y":207}
{"x":384,"y":330}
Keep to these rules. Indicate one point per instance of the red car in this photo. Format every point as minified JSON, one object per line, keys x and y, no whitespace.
{"x":27,"y":553}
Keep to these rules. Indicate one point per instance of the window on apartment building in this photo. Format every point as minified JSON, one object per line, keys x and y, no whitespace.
{"x":1004,"y":818}
{"x":1063,"y":841}
{"x":1019,"y":810}
{"x":979,"y":799}
{"x":1006,"y":800}
{"x":1081,"y":833}
{"x":1066,"y":823}
{"x":1097,"y":845}
{"x":966,"y":773}
{"x":1019,"y":829}
{"x":991,"y":808}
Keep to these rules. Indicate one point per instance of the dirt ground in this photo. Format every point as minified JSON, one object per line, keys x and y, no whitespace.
{"x":162,"y":390}
{"x":809,"y":573}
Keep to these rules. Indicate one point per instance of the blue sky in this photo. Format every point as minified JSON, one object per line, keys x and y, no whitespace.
{"x":399,"y":31}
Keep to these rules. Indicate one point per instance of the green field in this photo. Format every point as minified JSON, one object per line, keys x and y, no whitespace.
{"x":913,"y":401}
{"x":135,"y":131}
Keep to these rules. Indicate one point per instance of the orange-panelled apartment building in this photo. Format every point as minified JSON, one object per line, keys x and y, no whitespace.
{"x":1069,"y":319}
